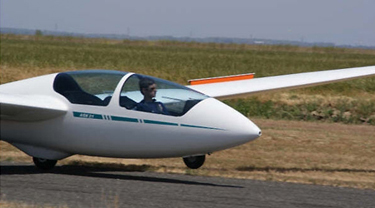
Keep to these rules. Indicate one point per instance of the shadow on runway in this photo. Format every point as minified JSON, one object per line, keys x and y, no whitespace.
{"x":100,"y":172}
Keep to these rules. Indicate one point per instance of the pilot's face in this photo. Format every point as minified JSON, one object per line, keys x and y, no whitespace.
{"x":150,"y":91}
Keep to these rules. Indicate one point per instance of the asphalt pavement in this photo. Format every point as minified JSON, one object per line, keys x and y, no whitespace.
{"x":79,"y":186}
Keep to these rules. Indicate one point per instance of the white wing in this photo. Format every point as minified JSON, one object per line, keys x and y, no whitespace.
{"x":30,"y":107}
{"x":243,"y":88}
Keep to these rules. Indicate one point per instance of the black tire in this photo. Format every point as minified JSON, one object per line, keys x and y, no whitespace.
{"x":194,"y":162}
{"x":44,"y":164}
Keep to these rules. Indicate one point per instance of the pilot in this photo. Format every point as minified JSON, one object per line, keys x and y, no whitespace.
{"x":147,"y":87}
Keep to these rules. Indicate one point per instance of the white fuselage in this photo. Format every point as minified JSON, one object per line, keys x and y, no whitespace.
{"x":114,"y":131}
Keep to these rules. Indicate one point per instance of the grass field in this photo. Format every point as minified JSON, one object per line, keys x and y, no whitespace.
{"x":329,"y":152}
{"x":347,"y":102}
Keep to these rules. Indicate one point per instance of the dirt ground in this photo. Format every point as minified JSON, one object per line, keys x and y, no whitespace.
{"x":290,"y":151}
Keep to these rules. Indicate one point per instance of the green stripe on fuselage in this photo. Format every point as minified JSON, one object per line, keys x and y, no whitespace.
{"x":125,"y":119}
{"x":160,"y":122}
{"x":135,"y":120}
{"x":199,"y":127}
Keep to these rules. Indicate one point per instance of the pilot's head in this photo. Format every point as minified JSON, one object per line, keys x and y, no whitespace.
{"x":147,"y":87}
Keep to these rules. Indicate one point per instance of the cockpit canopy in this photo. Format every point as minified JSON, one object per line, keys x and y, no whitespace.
{"x":91,"y":87}
{"x":96,"y":87}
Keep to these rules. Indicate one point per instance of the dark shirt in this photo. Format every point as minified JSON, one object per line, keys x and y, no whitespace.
{"x":152,"y":107}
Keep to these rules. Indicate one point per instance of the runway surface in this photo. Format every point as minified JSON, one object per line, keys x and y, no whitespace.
{"x":77,"y":186}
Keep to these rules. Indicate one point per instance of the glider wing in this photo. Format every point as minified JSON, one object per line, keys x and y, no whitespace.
{"x":30,"y":107}
{"x":243,"y":88}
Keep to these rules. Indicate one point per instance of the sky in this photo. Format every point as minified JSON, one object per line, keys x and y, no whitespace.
{"x":343,"y":22}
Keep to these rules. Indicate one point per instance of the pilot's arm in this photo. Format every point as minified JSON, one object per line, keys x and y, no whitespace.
{"x":152,"y":107}
{"x":162,"y":109}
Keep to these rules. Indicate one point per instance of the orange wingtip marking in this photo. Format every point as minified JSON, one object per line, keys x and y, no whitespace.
{"x":221,"y":79}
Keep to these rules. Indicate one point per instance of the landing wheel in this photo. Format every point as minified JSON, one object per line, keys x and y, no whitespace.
{"x":44,"y":164}
{"x":194,"y":162}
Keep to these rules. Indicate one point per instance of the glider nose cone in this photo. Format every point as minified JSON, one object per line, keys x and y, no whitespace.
{"x":253,"y":130}
{"x":237,"y":129}
{"x":242,"y":128}
{"x":232,"y":127}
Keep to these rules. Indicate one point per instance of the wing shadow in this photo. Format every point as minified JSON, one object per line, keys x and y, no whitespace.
{"x":103,"y":172}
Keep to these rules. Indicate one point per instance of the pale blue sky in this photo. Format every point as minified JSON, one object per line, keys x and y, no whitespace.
{"x":338,"y":21}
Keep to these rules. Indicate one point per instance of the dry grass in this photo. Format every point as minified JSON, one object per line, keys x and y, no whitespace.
{"x":17,"y":73}
{"x":289,"y":151}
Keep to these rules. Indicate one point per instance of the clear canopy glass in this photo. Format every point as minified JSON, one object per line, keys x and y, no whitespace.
{"x":96,"y":87}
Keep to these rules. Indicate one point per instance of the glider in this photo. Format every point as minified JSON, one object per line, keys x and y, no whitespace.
{"x":111,"y":114}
